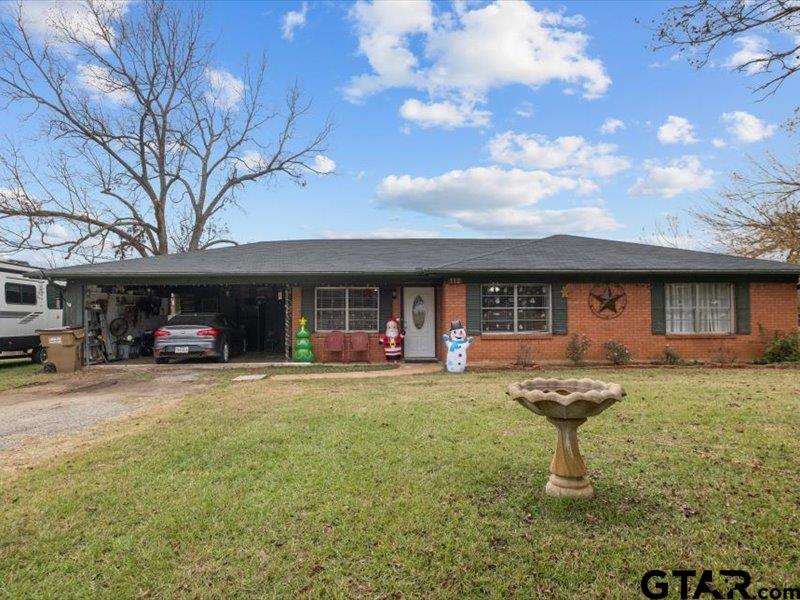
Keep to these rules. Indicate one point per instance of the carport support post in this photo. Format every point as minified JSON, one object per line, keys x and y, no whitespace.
{"x":73,"y":313}
{"x":287,"y":320}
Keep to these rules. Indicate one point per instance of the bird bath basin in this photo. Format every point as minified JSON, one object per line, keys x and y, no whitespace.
{"x":566,"y":403}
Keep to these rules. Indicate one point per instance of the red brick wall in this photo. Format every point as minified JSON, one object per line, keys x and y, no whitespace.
{"x":773,"y":307}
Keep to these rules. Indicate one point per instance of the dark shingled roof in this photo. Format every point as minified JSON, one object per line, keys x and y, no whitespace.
{"x":554,"y":254}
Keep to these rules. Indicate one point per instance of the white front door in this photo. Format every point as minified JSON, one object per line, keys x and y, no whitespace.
{"x":419,"y":319}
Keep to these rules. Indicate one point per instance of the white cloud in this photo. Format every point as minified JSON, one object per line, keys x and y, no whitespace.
{"x":676,"y":130}
{"x":611,"y":125}
{"x":225,"y":89}
{"x":383,"y":29}
{"x":100,"y":84}
{"x":252,"y":160}
{"x":294,"y":19}
{"x":323,"y":165}
{"x":571,"y":154}
{"x":524,"y":110}
{"x":380,"y":233}
{"x":718,"y":143}
{"x":471,"y":188}
{"x":46,"y":20}
{"x":443,"y":114}
{"x":667,"y":180}
{"x":514,"y":221}
{"x":746,"y":128}
{"x":751,"y":47}
{"x":494,"y":199}
{"x":455,"y":56}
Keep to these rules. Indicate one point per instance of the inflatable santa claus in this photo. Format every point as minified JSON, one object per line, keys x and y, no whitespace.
{"x":392,"y":340}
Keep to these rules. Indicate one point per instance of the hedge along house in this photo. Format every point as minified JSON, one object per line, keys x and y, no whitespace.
{"x":513,"y":295}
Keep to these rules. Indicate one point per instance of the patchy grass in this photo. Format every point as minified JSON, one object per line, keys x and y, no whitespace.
{"x":417,"y":486}
{"x":16,"y":372}
{"x":327,"y":368}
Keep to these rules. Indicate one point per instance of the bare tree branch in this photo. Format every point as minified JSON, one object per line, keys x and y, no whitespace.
{"x":696,"y":29}
{"x":758,"y":214}
{"x":149,"y":141}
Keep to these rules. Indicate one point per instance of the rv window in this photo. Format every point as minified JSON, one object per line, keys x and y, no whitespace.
{"x":55,"y":299}
{"x":17,"y":293}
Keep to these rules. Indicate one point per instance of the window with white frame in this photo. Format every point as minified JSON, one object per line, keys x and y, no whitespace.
{"x":347,"y":309}
{"x":515,"y":308}
{"x":699,"y":307}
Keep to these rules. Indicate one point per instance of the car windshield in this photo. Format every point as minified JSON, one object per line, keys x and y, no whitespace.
{"x":195,"y":319}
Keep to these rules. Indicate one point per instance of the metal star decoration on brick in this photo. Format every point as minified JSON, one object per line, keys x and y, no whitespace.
{"x":608,"y":301}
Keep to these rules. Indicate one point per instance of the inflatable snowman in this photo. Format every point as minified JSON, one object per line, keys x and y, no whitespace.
{"x":457,"y":343}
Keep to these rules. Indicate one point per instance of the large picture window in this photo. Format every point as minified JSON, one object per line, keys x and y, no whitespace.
{"x":515,"y":308}
{"x":699,"y":307}
{"x":19,"y":293}
{"x":347,"y":309}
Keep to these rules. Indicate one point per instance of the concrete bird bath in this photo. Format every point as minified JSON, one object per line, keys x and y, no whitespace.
{"x":566,"y":403}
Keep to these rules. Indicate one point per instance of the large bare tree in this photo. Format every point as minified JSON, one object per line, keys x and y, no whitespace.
{"x":148,"y":141}
{"x":758,"y":213}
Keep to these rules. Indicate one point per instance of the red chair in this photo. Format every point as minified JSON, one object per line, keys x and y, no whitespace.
{"x":334,"y":342}
{"x":359,"y":342}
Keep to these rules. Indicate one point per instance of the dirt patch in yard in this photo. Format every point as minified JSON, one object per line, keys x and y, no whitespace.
{"x":68,"y":411}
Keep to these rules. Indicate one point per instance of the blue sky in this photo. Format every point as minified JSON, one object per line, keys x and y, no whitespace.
{"x":485,"y":120}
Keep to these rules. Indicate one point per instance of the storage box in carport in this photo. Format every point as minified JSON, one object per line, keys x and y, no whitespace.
{"x":64,"y":346}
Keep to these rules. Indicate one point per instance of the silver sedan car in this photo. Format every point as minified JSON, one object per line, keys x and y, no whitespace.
{"x":198,"y":335}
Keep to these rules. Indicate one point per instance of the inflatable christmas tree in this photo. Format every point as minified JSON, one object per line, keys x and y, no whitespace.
{"x":303,"y":351}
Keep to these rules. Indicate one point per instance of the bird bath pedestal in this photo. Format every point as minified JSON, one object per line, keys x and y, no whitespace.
{"x":566,"y":403}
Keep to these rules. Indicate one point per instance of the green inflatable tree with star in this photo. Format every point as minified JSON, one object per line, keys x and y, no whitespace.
{"x":303,"y":350}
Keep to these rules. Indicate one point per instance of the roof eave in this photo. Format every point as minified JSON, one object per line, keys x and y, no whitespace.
{"x":740,"y":272}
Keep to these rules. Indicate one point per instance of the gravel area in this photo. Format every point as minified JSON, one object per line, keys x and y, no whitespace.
{"x":73,"y":403}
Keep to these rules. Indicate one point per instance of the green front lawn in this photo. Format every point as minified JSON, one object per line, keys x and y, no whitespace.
{"x":416,"y":486}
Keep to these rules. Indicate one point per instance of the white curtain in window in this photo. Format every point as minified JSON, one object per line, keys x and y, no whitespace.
{"x":713,"y":307}
{"x":680,"y":309}
{"x":699,"y":308}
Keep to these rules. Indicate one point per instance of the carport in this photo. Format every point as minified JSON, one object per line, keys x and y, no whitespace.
{"x":120,"y":318}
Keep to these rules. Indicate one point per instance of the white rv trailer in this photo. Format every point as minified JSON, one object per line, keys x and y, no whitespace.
{"x":26,"y":304}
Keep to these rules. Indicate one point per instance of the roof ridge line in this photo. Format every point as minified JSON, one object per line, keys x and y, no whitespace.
{"x":484,"y":255}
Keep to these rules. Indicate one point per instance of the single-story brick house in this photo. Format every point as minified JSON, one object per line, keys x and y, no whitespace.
{"x":511,"y":294}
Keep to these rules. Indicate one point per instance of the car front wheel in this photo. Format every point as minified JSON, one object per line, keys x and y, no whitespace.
{"x":225,"y":355}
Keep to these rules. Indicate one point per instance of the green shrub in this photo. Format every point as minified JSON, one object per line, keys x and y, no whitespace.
{"x":524,"y":355}
{"x":617,"y":352}
{"x":670,"y":356}
{"x":577,"y":347}
{"x":783,"y":347}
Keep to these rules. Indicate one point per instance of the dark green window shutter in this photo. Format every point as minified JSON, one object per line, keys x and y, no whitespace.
{"x":73,"y":305}
{"x":474,"y":320}
{"x":559,"y":309}
{"x":307,"y":302}
{"x":742,"y":299}
{"x":385,"y":300}
{"x":658,"y":312}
